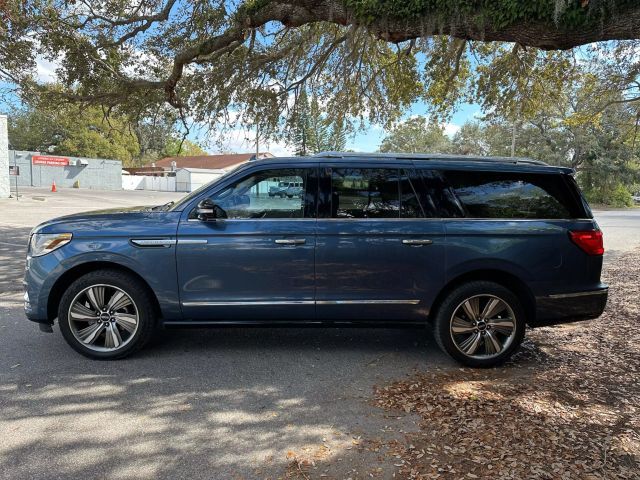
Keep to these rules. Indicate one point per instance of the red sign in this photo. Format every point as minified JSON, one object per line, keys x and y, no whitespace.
{"x":50,"y":161}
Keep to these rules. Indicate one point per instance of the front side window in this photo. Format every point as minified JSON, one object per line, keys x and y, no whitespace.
{"x":276,"y":193}
{"x":512,"y":195}
{"x":365,"y":193}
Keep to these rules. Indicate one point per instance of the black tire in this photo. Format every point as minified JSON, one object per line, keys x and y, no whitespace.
{"x":483,"y":333}
{"x":133,"y":288}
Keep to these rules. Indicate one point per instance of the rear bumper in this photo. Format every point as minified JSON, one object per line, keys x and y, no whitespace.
{"x":570,"y":307}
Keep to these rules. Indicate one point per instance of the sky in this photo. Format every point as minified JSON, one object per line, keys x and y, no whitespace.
{"x":367,"y":140}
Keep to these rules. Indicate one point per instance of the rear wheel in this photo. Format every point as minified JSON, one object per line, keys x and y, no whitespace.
{"x":106,"y":314}
{"x":480,"y":324}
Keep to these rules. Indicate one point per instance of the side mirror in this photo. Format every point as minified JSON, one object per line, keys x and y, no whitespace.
{"x":208,"y":211}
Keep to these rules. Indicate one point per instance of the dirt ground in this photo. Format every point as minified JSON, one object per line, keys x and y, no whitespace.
{"x":568,"y":405}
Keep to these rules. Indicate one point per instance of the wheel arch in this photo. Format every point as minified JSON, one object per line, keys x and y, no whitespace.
{"x":501,"y":277}
{"x":71,"y":275}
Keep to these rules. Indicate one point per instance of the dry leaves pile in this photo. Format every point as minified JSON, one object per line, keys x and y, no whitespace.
{"x":567,"y":406}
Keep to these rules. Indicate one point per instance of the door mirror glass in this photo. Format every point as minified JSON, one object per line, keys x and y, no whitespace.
{"x":207,"y":211}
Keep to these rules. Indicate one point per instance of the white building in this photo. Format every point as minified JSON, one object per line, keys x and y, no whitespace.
{"x":190,"y":179}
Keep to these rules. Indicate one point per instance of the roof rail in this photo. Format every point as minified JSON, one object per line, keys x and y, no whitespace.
{"x":434,"y":156}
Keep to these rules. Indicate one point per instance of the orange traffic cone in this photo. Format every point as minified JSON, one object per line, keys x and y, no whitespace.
{"x":53,"y":187}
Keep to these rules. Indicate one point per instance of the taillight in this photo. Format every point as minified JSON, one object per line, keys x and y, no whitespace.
{"x":588,"y":240}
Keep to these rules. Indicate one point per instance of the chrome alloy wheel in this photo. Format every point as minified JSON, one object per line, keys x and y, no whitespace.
{"x":103,"y":318}
{"x":483,"y":326}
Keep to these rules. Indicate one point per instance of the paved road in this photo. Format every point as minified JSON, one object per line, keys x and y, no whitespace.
{"x":210,"y":404}
{"x":621,"y":229}
{"x":220,"y":403}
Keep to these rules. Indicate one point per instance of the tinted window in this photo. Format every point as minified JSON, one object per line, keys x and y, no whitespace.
{"x":365,"y":193}
{"x":513,"y":195}
{"x":266,"y":194}
{"x":436,"y":197}
{"x":410,"y":206}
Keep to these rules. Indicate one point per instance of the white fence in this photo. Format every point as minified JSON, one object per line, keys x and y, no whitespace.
{"x":144,"y":182}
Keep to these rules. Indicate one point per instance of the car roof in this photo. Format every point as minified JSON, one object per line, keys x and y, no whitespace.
{"x":436,"y":160}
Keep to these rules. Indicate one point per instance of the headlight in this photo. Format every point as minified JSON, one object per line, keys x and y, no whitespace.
{"x":43,"y":243}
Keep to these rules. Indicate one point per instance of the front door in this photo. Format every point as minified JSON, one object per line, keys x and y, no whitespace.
{"x":258,"y":262}
{"x":378,"y":256}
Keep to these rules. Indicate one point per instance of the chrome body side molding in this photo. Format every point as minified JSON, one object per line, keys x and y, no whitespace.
{"x":153,"y":242}
{"x":243,"y":303}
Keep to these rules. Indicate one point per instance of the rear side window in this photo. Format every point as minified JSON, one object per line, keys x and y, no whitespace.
{"x":436,"y":197}
{"x":513,"y":195}
{"x":365,"y":193}
{"x":371,"y":193}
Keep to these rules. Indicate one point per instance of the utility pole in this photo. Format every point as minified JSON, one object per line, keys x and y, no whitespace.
{"x":257,"y":141}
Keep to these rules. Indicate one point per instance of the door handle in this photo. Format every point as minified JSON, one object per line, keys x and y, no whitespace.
{"x":417,"y":243}
{"x":291,"y":241}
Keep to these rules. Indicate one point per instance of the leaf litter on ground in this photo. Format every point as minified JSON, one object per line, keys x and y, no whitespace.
{"x":565,"y":407}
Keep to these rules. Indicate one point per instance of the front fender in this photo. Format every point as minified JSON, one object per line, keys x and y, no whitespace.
{"x":156,"y":266}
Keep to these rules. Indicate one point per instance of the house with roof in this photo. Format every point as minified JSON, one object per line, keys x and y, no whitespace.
{"x":223,"y":161}
{"x":186,"y":174}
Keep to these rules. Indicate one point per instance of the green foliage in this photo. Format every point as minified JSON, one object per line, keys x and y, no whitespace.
{"x":69,"y":130}
{"x":618,"y":196}
{"x":417,"y":135}
{"x":498,"y":13}
{"x":337,"y":137}
{"x":30,"y":130}
{"x":312,"y":131}
{"x":300,"y":124}
{"x":178,"y":147}
{"x":318,"y":133}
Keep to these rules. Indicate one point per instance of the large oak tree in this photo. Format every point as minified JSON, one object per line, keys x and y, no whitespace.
{"x":246,"y":61}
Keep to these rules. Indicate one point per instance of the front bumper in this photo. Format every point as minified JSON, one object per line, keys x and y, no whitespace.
{"x":570,"y":307}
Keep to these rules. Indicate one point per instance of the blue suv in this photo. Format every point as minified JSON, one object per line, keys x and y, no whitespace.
{"x":477,"y":247}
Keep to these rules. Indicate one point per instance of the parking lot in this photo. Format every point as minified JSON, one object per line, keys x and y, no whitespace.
{"x":217,"y":403}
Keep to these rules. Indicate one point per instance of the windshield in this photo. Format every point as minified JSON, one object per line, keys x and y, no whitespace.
{"x":179,"y":205}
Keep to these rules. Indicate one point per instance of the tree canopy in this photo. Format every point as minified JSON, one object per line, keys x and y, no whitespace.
{"x":73,"y":131}
{"x":88,"y":132}
{"x":601,"y":144}
{"x":417,"y":135}
{"x":230,"y":62}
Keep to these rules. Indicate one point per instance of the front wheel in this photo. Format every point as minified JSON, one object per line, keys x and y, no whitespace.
{"x":106,"y":314}
{"x":480,"y":324}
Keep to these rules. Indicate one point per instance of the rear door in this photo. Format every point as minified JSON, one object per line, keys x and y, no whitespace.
{"x":378,"y":256}
{"x":518,"y":222}
{"x":258,"y":263}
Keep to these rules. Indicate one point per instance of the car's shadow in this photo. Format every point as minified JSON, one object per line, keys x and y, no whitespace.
{"x":214,"y":403}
